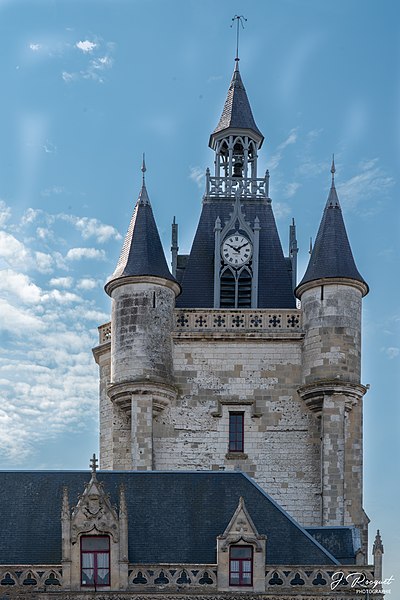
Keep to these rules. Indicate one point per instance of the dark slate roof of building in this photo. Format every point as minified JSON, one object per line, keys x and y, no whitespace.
{"x":237,"y":111}
{"x":174,"y":517}
{"x":342,"y":542}
{"x":331,"y":256}
{"x":274,"y":280}
{"x":142,"y":252}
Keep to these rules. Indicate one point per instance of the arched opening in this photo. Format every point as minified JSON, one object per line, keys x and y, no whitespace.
{"x":228,"y":289}
{"x":238,"y":158}
{"x":244,"y":289}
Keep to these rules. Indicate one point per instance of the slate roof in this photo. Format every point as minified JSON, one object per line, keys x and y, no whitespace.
{"x":274,"y":280}
{"x":237,"y":111}
{"x":142,"y":252}
{"x":342,"y":542}
{"x":174,"y":517}
{"x":331,"y":256}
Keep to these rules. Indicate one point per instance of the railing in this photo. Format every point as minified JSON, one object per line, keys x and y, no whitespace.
{"x":172,"y":576}
{"x":28,"y":577}
{"x":341,"y":581}
{"x":210,"y":319}
{"x":219,"y":187}
{"x":237,"y":320}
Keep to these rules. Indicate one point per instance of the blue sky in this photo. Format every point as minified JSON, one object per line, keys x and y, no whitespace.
{"x":87,"y":86}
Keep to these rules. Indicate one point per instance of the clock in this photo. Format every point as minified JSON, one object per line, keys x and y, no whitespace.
{"x":236,"y":250}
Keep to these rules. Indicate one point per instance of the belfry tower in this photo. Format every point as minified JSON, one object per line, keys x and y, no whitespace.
{"x":236,"y":260}
{"x":214,"y":367}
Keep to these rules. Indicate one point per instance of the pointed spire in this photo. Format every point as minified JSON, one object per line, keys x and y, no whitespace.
{"x":331,"y":256}
{"x":143,"y":169}
{"x":93,"y":466}
{"x":237,"y":113}
{"x":378,"y":546}
{"x":142,"y":253}
{"x":143,"y":196}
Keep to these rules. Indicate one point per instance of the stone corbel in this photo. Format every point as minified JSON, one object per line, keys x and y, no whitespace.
{"x":313,"y":393}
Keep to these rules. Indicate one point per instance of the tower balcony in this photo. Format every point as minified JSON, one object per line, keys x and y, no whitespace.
{"x":222,"y":187}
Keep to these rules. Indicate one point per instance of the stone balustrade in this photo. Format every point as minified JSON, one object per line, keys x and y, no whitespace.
{"x":223,"y":187}
{"x":252,"y":320}
{"x":246,"y":320}
{"x":28,"y":577}
{"x":341,"y":582}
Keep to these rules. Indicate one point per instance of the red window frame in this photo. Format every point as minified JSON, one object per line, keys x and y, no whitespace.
{"x":96,"y":580}
{"x":236,"y":432}
{"x":241,"y":567}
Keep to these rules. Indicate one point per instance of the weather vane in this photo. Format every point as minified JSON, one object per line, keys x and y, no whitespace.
{"x":239,"y":19}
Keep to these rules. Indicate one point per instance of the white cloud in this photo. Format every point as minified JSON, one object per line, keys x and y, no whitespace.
{"x":68,"y":77}
{"x":277,"y":156}
{"x":79,"y":253}
{"x":13,"y":251}
{"x":90,"y":227}
{"x":44,"y":262}
{"x":60,"y":297}
{"x":87,"y":284}
{"x":64,"y":282}
{"x":392,"y":352}
{"x":35,"y":47}
{"x":53,"y":190}
{"x":197,"y":175}
{"x":281,"y":210}
{"x":290,"y":189}
{"x":370,"y":183}
{"x":86,"y":46}
{"x":5,"y":213}
{"x":16,"y":321}
{"x":20,"y":286}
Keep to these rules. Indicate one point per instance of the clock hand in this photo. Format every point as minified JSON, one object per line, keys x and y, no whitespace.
{"x":240,"y":247}
{"x":233,"y":247}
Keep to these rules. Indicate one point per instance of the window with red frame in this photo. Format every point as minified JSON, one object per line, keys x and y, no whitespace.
{"x":241,"y":565}
{"x":236,"y":432}
{"x":95,"y":560}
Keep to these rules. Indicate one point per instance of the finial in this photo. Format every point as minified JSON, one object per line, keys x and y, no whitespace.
{"x":333,"y":170}
{"x":93,"y":464}
{"x":239,"y":19}
{"x":143,"y":169}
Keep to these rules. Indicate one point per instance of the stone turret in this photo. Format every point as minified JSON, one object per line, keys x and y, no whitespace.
{"x":143,"y":295}
{"x":331,"y":293}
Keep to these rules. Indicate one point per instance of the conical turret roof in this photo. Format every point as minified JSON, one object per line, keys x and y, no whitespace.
{"x":142,"y":253}
{"x":331,"y":256}
{"x":237,"y":112}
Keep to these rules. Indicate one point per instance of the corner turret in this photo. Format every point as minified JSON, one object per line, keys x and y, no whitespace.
{"x":143,"y":293}
{"x":331,"y":293}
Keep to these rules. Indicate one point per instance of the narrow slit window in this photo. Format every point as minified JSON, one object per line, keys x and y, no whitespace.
{"x":236,"y":432}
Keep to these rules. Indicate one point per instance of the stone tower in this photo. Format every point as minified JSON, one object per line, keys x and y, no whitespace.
{"x":136,"y":375}
{"x":331,"y":293}
{"x":230,"y":374}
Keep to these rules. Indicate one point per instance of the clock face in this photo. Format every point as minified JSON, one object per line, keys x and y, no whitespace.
{"x":236,"y":250}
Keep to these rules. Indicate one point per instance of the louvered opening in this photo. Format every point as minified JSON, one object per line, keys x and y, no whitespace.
{"x":227,"y":286}
{"x":244,"y":289}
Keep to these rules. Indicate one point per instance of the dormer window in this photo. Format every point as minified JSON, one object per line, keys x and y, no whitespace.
{"x":95,"y":561}
{"x":241,"y":566}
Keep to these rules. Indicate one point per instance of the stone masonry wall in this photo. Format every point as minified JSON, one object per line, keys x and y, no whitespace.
{"x":332,"y":322}
{"x":259,"y":377}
